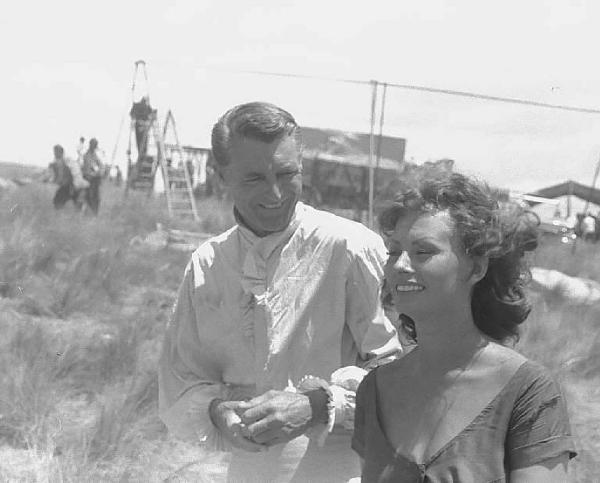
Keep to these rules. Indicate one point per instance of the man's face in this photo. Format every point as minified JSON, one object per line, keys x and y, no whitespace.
{"x":265,"y":181}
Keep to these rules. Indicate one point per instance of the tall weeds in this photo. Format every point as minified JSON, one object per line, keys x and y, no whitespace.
{"x":82,"y":315}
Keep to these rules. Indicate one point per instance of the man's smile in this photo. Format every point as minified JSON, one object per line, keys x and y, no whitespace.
{"x":271,"y":206}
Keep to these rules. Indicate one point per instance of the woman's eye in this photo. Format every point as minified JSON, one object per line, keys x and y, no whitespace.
{"x":394,"y":253}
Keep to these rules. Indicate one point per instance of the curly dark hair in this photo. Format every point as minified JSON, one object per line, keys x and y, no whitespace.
{"x":502,"y":231}
{"x":256,"y":120}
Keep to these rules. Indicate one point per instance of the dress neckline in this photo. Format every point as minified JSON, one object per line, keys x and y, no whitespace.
{"x":428,"y":461}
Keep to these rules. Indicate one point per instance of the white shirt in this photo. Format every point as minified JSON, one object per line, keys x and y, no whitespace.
{"x":255,"y":314}
{"x":588,"y":224}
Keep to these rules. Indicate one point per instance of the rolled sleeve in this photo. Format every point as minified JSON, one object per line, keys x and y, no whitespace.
{"x":373,"y":334}
{"x":539,"y":427}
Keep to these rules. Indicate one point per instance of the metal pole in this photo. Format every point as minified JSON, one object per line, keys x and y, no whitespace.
{"x":569,"y":195}
{"x":374,"y":85}
{"x":116,"y":146}
{"x":596,"y":173}
{"x":380,"y":136}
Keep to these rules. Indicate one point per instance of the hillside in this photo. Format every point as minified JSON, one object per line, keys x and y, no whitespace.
{"x":18,"y":171}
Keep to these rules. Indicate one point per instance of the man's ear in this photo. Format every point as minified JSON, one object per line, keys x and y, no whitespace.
{"x":480,"y":267}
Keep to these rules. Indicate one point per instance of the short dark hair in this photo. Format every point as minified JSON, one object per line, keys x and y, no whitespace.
{"x":256,"y":120}
{"x":58,"y":150}
{"x":501,"y":231}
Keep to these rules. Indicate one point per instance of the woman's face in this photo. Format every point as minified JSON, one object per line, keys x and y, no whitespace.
{"x":428,"y":272}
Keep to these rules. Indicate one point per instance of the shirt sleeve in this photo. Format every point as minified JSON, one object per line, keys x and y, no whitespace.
{"x":539,"y":426}
{"x":372,"y":335}
{"x":187,"y":381}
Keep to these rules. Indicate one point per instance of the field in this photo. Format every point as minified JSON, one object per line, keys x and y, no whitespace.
{"x":83,"y":306}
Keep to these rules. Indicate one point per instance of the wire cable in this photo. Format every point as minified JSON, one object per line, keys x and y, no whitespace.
{"x":434,"y":90}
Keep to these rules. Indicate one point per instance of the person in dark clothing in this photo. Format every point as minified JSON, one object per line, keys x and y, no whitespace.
{"x":142,"y":114}
{"x":462,"y":405}
{"x":61,"y":170}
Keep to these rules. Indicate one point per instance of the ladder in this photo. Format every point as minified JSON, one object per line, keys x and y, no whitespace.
{"x":177,"y":182}
{"x":141,"y":175}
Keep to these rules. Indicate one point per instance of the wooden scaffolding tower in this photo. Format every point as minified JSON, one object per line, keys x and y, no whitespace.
{"x":155,"y":156}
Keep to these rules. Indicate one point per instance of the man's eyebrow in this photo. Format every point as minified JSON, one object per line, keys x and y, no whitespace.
{"x":425,"y":238}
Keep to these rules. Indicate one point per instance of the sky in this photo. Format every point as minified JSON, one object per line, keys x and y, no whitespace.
{"x":68,"y":66}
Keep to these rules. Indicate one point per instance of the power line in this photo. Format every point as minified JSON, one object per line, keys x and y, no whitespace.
{"x":450,"y":92}
{"x":304,"y":76}
{"x":511,"y":100}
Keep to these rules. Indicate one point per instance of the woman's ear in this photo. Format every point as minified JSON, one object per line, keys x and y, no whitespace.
{"x":220,"y":170}
{"x":480,"y":267}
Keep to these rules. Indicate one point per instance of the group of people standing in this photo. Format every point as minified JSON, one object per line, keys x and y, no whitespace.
{"x":283,"y":353}
{"x":78,"y":179}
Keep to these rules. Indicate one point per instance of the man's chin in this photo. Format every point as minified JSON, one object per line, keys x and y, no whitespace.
{"x":268,"y":227}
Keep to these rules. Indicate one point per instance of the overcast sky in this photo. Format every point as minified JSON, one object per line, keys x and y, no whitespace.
{"x":67,"y":68}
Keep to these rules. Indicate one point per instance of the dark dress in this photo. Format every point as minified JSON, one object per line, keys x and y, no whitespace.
{"x":525,"y":424}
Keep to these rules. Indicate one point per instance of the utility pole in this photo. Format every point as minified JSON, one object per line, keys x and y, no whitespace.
{"x":370,"y":219}
{"x":596,"y":173}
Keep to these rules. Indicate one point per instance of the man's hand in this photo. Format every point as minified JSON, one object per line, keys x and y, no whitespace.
{"x":280,"y":416}
{"x":226,"y":419}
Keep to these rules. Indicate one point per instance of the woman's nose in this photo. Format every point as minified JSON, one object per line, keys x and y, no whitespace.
{"x":403,"y":264}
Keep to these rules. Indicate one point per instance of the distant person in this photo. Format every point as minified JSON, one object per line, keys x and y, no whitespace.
{"x":119,"y":177}
{"x":462,"y":406}
{"x":142,"y":115}
{"x":115,"y":175}
{"x":66,"y":173}
{"x":93,"y":171}
{"x":189,"y":165}
{"x":80,"y":150}
{"x":588,"y":228}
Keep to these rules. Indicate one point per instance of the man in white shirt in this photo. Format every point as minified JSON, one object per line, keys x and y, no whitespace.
{"x":273,"y":316}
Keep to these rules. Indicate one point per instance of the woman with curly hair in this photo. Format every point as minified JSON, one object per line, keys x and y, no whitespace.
{"x":461,"y":406}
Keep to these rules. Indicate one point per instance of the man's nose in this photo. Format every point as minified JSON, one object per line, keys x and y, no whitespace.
{"x":275,"y":189}
{"x":403,"y":263}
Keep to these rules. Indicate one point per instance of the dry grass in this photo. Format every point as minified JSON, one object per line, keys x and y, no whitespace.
{"x":566,"y":339}
{"x":82,"y":314}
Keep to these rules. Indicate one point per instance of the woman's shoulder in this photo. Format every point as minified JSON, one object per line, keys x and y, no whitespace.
{"x":526,"y":371}
{"x":531,"y":385}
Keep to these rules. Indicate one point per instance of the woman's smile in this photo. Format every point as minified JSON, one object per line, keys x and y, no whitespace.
{"x":409,"y":288}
